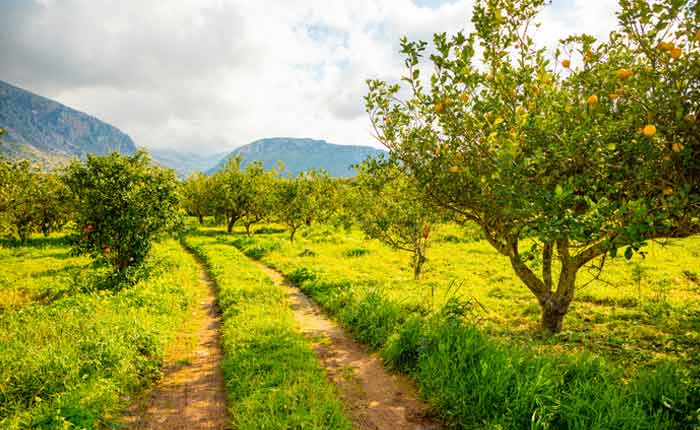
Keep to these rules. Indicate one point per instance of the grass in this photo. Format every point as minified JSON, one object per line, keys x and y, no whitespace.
{"x":633,"y":316}
{"x":468,"y":332}
{"x":40,"y":271}
{"x":272,"y":377}
{"x":73,"y":362}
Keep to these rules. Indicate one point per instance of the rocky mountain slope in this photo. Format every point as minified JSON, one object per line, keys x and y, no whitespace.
{"x":48,"y":132}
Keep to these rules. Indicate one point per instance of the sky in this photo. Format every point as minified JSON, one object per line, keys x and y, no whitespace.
{"x":207,"y":76}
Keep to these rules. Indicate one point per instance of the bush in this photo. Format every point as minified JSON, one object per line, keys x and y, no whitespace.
{"x":269,"y":230}
{"x":122,"y":204}
{"x":300,"y":275}
{"x":356,"y":252}
{"x":307,"y":252}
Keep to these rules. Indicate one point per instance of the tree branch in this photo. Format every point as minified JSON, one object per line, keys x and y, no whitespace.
{"x":547,"y":265}
{"x":528,"y":277}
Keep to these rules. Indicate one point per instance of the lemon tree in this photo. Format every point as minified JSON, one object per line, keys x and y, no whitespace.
{"x":561,"y":158}
{"x":303,"y":200}
{"x":390,"y":207}
{"x":196,"y":195}
{"x":261,"y":182}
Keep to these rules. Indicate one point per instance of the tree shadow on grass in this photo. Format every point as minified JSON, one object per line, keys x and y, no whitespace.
{"x":208,"y":233}
{"x":36,"y":242}
{"x":67,"y":269}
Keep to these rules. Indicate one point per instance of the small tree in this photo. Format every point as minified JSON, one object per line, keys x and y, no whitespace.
{"x":197,"y":195}
{"x":391,"y":208}
{"x":260,"y":182}
{"x":343,"y":207}
{"x":31,"y":200}
{"x":232,"y":197}
{"x":597,"y":152}
{"x":303,"y":200}
{"x":122,"y":204}
{"x":52,"y":203}
{"x":17,"y":183}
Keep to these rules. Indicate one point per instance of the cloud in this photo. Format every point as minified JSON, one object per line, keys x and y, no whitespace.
{"x":209,"y":75}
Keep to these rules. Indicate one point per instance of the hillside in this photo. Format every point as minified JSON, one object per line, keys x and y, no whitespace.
{"x":48,"y":132}
{"x":299,"y":155}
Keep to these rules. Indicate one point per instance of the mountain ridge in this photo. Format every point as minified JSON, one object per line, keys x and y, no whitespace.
{"x":50,"y":132}
{"x":301,"y":154}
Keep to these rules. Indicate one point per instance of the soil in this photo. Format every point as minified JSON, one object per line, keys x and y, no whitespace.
{"x":191,"y":394}
{"x":374,"y":398}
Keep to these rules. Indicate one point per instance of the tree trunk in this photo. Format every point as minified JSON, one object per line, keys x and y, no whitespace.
{"x":555,"y":307}
{"x":121,"y":265}
{"x":231,"y":223}
{"x":247,"y":229}
{"x":201,"y":219}
{"x":553,"y":315}
{"x":554,"y":303}
{"x":418,"y":260}
{"x":23,"y":231}
{"x":291,"y":235}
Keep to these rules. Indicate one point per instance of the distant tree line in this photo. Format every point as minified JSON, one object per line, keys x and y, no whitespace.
{"x":382,"y":201}
{"x":116,"y":205}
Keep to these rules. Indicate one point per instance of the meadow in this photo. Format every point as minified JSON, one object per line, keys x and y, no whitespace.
{"x":38,"y":272}
{"x":72,"y":353}
{"x":640,"y":311}
{"x":468,"y":330}
{"x":75,"y":351}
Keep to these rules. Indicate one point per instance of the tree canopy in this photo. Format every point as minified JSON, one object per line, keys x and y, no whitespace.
{"x":593,"y":152}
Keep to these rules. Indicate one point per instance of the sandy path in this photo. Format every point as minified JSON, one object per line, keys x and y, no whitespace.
{"x":374,"y":398}
{"x":191,"y":395}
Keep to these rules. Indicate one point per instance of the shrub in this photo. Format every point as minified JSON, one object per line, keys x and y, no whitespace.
{"x":122,"y":204}
{"x":307,"y":253}
{"x":356,"y":252}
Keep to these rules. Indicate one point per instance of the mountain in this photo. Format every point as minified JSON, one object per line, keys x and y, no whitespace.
{"x":299,"y":155}
{"x":186,"y":163}
{"x":50,"y":133}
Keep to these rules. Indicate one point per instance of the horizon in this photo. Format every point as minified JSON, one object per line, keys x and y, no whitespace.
{"x":223,"y":74}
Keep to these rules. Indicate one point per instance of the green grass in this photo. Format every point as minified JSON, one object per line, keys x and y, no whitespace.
{"x":627,"y":316}
{"x":73,"y":361}
{"x":468,"y":332}
{"x":272,"y":377}
{"x":41,"y":271}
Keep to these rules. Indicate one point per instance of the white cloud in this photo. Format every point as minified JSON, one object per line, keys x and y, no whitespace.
{"x":209,"y":75}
